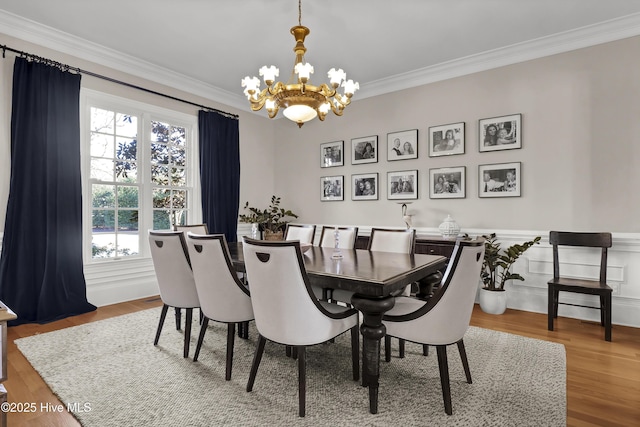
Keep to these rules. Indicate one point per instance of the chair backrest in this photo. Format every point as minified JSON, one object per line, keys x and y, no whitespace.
{"x":590,"y":240}
{"x":222,"y":296}
{"x":303,"y":233}
{"x":194,"y":228}
{"x":385,"y":240}
{"x":346,"y":237}
{"x":451,"y":307}
{"x":173,"y":270}
{"x":285,"y":307}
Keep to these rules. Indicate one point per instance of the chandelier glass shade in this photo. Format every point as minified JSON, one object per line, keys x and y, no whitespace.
{"x":298,"y":98}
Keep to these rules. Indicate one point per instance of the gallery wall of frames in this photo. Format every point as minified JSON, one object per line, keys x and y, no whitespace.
{"x":494,"y":179}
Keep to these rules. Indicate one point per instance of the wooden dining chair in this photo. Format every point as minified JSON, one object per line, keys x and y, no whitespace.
{"x":175,"y":279}
{"x":287,"y":311}
{"x":444,"y":318}
{"x":223,"y":297}
{"x":302,"y":232}
{"x":599,"y":287}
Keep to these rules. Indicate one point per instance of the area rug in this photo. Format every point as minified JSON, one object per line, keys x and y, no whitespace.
{"x":110,"y":373}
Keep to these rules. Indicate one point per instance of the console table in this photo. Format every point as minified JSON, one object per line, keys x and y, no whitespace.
{"x":425,"y":244}
{"x":5,"y":315}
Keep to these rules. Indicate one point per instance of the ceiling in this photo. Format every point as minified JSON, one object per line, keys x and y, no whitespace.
{"x":384,"y":45}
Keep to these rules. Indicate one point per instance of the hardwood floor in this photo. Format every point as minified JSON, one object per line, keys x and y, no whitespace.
{"x":603,"y":378}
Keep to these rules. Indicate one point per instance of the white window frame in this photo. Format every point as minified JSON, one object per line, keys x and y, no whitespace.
{"x":145,"y":113}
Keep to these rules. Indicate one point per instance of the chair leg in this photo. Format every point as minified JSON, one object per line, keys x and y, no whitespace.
{"x":550,"y":308}
{"x":465,"y":362}
{"x":556,"y":301}
{"x":425,"y":349}
{"x":287,"y":350}
{"x":257,"y":357}
{"x":187,"y":332}
{"x":444,"y":377}
{"x":387,"y":348}
{"x":163,"y":315}
{"x":246,"y":330}
{"x":240,"y":329}
{"x":203,"y":330}
{"x":607,"y":317}
{"x":178,"y":318}
{"x":602,"y":310}
{"x":355,"y":352}
{"x":231,"y":335}
{"x":302,"y":379}
{"x":401,"y":343}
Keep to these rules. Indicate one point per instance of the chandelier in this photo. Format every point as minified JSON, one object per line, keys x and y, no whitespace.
{"x":300,"y":100}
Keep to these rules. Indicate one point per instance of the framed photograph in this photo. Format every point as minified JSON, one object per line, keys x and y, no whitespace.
{"x":364,"y":186}
{"x":332,"y":154}
{"x":364,"y":150}
{"x":402,"y":145}
{"x":499,"y":180}
{"x":500,"y":133}
{"x":448,"y":183}
{"x":332,"y":188}
{"x":446,"y":140}
{"x":402,"y":185}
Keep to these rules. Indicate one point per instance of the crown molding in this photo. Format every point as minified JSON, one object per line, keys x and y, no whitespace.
{"x":615,"y":29}
{"x":33,"y":32}
{"x":604,"y":32}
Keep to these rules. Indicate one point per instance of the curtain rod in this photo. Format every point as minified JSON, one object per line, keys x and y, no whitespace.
{"x":65,"y":67}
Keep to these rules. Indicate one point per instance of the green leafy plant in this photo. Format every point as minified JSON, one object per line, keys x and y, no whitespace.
{"x":497,"y":262}
{"x":273,"y":218}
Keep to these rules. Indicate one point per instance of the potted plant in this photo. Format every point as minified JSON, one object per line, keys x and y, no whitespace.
{"x":271,"y":221}
{"x":496,"y":270}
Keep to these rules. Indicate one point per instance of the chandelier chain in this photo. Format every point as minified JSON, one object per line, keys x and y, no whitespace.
{"x":299,"y":12}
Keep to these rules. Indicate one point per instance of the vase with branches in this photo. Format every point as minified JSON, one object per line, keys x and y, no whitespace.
{"x":271,"y":220}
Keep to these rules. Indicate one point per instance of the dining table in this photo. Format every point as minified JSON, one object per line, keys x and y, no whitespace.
{"x":374,"y":277}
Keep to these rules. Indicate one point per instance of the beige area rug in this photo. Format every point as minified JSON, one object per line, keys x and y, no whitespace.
{"x":113,"y":366}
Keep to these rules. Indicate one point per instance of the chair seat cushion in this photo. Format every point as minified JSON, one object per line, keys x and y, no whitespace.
{"x":565,"y":283}
{"x":404,"y":305}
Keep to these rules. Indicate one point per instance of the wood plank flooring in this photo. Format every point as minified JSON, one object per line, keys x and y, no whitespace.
{"x":603,"y":378}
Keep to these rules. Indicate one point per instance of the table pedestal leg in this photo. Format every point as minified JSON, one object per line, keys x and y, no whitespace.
{"x":372,"y":331}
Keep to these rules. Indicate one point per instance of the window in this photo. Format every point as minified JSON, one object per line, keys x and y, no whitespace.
{"x":139,"y":165}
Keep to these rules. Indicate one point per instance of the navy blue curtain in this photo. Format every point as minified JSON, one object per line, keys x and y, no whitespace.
{"x":41,"y":275}
{"x":219,"y":172}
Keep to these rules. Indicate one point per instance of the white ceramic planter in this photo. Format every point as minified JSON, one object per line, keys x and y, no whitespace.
{"x":493,"y":302}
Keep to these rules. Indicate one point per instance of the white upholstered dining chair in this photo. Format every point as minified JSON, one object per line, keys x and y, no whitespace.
{"x":194,"y":228}
{"x":346,"y":237}
{"x":287,"y":311}
{"x":302,"y":232}
{"x":175,"y":278}
{"x":223,"y":297}
{"x":444,"y":318}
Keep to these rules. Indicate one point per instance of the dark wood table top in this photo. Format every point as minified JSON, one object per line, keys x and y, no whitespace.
{"x":369,"y":273}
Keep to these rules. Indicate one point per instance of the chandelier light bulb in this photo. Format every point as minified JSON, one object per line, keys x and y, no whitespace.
{"x":336,"y":77}
{"x":304,"y":71}
{"x":269,"y":74}
{"x":350,"y":87}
